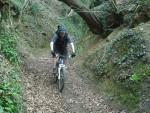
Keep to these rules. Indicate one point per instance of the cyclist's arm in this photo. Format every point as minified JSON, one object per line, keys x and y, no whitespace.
{"x":72,"y":44}
{"x":73,"y":48}
{"x":53,"y":39}
{"x":52,"y":46}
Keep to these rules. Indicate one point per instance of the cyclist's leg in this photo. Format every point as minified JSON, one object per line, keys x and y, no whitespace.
{"x":65,"y":54}
{"x":55,"y":59}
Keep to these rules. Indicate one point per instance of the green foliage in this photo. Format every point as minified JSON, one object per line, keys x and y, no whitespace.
{"x":110,"y":88}
{"x":87,"y":2}
{"x":141,"y":72}
{"x":122,"y":61}
{"x":10,"y":95}
{"x":96,"y":3}
{"x":10,"y":89}
{"x":35,"y":8}
{"x":144,"y":2}
{"x":124,"y":51}
{"x":17,"y":3}
{"x":129,"y":99}
{"x":1,"y":109}
{"x":8,"y":47}
{"x":135,"y":77}
{"x":134,"y":12}
{"x":105,"y":14}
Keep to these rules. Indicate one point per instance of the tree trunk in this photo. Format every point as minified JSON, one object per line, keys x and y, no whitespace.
{"x":1,"y":4}
{"x":90,"y":18}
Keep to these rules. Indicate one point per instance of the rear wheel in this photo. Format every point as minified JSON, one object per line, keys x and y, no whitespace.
{"x":61,"y":80}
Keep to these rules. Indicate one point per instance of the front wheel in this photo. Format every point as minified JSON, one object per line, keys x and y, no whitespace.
{"x":55,"y":75}
{"x":61,"y":80}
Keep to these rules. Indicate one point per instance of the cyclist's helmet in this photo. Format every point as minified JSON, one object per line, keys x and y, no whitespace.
{"x":61,"y":31}
{"x":61,"y":28}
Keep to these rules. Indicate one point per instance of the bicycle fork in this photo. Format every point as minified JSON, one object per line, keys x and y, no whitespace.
{"x":61,"y":66}
{"x":59,"y":73}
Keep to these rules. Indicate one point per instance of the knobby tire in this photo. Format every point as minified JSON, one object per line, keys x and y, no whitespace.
{"x":61,"y":81}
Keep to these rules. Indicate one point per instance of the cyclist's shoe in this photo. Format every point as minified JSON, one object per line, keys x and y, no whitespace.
{"x":73,"y":55}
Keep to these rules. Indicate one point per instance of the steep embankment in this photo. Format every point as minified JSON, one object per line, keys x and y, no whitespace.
{"x":121,"y":65}
{"x":10,"y":82}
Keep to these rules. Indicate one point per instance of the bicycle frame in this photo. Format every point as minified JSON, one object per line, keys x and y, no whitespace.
{"x":60,"y":73}
{"x":61,"y":66}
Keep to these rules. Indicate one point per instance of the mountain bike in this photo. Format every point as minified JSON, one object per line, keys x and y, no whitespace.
{"x":59,"y":74}
{"x":60,"y":71}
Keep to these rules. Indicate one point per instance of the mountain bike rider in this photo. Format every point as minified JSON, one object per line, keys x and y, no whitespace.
{"x":59,"y":43}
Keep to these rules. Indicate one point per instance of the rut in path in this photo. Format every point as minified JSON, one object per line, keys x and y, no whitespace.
{"x":42,"y":96}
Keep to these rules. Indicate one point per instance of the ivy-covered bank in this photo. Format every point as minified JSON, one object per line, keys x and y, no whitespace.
{"x":122,"y":66}
{"x":10,"y":81}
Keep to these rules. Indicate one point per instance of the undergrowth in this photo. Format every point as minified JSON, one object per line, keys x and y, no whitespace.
{"x":121,"y":67}
{"x":8,"y":47}
{"x":10,"y":86}
{"x":17,"y":3}
{"x":10,"y":90}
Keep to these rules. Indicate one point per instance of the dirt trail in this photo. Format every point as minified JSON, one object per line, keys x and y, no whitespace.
{"x":42,"y":95}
